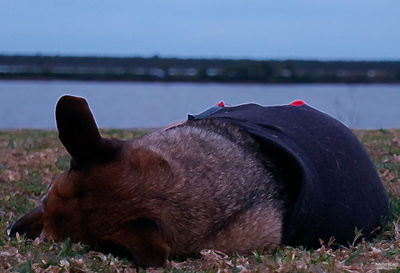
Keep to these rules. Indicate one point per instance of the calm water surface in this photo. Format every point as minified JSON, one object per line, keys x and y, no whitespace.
{"x":30,"y":104}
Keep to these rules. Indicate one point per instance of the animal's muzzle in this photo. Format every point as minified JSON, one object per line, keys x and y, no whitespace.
{"x":31,"y":224}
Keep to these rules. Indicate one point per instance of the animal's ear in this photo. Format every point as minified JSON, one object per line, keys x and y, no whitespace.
{"x":139,"y":240}
{"x":79,"y":134}
{"x":30,"y":224}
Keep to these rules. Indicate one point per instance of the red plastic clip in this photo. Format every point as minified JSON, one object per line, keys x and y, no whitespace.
{"x":221,"y":104}
{"x":298,"y":103}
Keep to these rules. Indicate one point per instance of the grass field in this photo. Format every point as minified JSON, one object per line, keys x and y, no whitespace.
{"x":30,"y":159}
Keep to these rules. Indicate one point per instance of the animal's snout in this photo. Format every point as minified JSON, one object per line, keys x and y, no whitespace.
{"x":31,"y":224}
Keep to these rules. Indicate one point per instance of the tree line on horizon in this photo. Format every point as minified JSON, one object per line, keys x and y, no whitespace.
{"x":197,"y":70}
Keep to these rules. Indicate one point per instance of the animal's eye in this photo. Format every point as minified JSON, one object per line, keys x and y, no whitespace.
{"x":58,"y":221}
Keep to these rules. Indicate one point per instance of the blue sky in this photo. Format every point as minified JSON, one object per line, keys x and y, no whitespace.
{"x":279,"y":29}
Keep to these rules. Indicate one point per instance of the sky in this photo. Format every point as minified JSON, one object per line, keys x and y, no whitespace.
{"x":265,"y":29}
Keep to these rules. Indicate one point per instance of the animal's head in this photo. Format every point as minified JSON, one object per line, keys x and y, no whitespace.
{"x":97,"y":199}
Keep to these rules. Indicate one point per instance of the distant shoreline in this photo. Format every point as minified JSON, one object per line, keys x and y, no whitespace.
{"x":107,"y":80}
{"x":155,"y":69}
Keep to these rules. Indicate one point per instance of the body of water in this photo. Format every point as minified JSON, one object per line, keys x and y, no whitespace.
{"x":31,"y":104}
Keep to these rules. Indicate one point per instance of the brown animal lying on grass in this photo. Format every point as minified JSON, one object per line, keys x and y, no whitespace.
{"x":238,"y":179}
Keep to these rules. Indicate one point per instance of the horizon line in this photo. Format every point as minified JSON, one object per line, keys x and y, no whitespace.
{"x":193,"y":57}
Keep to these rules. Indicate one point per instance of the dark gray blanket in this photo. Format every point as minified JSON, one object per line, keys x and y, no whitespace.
{"x":332,"y":184}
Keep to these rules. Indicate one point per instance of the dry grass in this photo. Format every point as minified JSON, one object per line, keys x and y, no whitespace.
{"x":30,"y":159}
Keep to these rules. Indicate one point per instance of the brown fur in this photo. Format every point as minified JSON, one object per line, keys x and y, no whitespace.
{"x":198,"y":185}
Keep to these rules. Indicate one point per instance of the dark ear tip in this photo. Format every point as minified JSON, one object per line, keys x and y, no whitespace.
{"x":69,"y":98}
{"x":68,"y":101}
{"x":72,"y":109}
